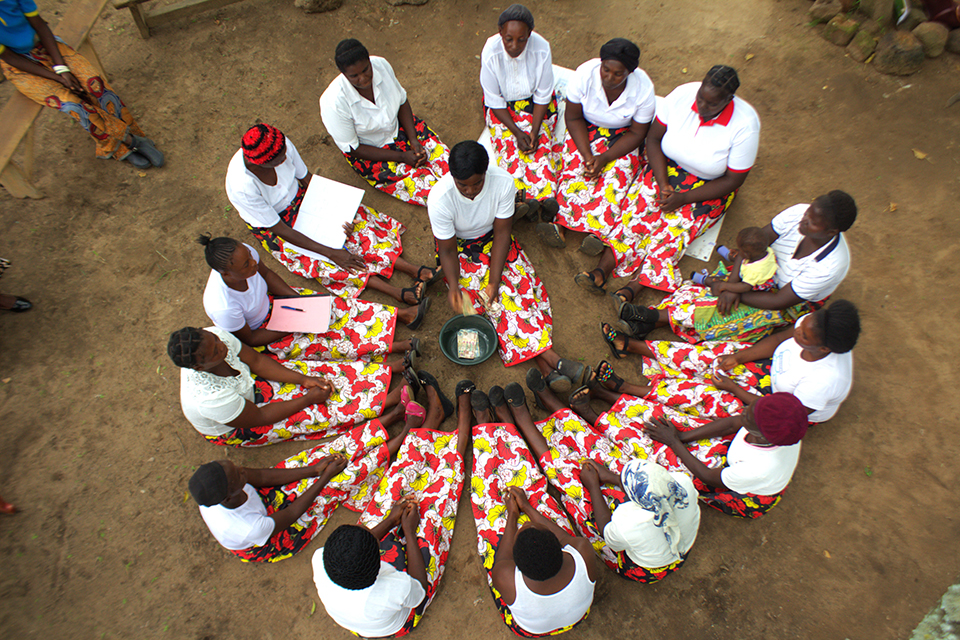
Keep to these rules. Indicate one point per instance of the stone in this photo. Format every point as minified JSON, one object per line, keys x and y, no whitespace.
{"x":933,"y":36}
{"x":879,"y":10}
{"x":870,"y":25}
{"x":824,"y":10}
{"x":317,"y":6}
{"x":915,"y":16}
{"x":862,"y":45}
{"x":399,"y":2}
{"x":899,"y":53}
{"x":840,"y":30}
{"x":846,"y":5}
{"x":953,"y":41}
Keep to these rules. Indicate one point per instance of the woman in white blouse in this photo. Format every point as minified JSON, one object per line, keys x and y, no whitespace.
{"x":516,"y":74}
{"x":700,"y":148}
{"x":366,"y":112}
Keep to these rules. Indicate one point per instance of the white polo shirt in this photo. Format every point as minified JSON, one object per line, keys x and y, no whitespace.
{"x":821,"y":385}
{"x":453,"y":215}
{"x":816,"y":276}
{"x":246,"y":526}
{"x":352,"y":120}
{"x":708,"y":149}
{"x":763,"y":471}
{"x":230,"y":309}
{"x":505,"y":79}
{"x":210,"y":401}
{"x":637,"y":103}
{"x":257,"y":203}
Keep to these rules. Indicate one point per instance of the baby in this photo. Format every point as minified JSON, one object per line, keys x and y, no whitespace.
{"x":753,"y":268}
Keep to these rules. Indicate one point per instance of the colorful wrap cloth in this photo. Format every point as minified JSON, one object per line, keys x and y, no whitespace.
{"x":536,"y":172}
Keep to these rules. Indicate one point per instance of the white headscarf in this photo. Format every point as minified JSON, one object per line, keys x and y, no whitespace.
{"x":655,"y":490}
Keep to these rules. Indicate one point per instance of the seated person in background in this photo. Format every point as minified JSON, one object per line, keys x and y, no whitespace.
{"x":51,"y":73}
{"x":240,"y":295}
{"x":266,"y":181}
{"x":516,"y":74}
{"x":366,"y":112}
{"x":236,"y":396}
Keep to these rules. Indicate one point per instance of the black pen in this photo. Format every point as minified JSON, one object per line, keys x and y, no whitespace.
{"x":283,"y":306}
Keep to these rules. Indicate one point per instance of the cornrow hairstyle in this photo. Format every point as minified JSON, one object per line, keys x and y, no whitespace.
{"x":838,"y":326}
{"x":516,"y":12}
{"x":538,"y":554}
{"x":723,"y":77}
{"x":623,"y":51}
{"x":840,"y":208}
{"x":467,"y":159}
{"x":351,"y":557}
{"x":208,"y":485}
{"x":349,"y":52}
{"x":182,"y":346}
{"x":262,"y":143}
{"x":218,"y":251}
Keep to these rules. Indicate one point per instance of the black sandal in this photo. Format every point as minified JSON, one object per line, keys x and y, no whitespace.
{"x":549,"y":232}
{"x":586,"y":281}
{"x":605,"y":373}
{"x":515,"y":396}
{"x":576,"y":371}
{"x":427,"y":378}
{"x":619,"y":300}
{"x":579,"y":397}
{"x":609,"y":335}
{"x":536,"y":383}
{"x":417,"y":290}
{"x":465,"y":386}
{"x":435,"y":274}
{"x":421,"y":314}
{"x":411,"y":378}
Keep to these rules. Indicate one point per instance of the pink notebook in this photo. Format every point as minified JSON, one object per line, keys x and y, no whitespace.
{"x":306,"y":314}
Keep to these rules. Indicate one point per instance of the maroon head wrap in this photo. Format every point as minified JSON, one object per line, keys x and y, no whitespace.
{"x":782,"y":419}
{"x":262,"y":143}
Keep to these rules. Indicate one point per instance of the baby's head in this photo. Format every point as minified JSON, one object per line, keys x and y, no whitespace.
{"x":752,"y":244}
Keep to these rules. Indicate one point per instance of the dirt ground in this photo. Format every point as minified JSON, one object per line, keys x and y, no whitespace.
{"x":97,"y":453}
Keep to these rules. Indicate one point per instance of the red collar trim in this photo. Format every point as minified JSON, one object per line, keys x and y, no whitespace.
{"x":722,"y":118}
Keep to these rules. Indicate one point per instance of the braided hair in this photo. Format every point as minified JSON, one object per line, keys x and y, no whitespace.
{"x":840,"y":208}
{"x":349,"y":52}
{"x":838,"y":326}
{"x":351,"y":557}
{"x":182,"y":346}
{"x":538,"y":554}
{"x":218,"y":251}
{"x":723,"y":77}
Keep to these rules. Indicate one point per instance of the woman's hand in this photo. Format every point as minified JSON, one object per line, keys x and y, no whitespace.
{"x":318,"y":390}
{"x":492,"y":292}
{"x":416,"y":155}
{"x":456,"y":297}
{"x":513,"y":509}
{"x":348,"y":261}
{"x":724,"y":382}
{"x":71,"y":82}
{"x":663,"y":431}
{"x":589,"y":477}
{"x":716,"y":285}
{"x":593,"y":166}
{"x":524,"y":141}
{"x":348,"y":227}
{"x":520,"y":496}
{"x":728,"y":362}
{"x":410,"y":518}
{"x":727,"y":302}
{"x":335,"y":464}
{"x":670,"y":201}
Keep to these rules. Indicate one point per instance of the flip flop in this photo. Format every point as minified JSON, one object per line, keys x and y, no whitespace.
{"x":415,"y":346}
{"x":515,"y":396}
{"x":421,"y":314}
{"x":612,"y":335}
{"x":536,"y":383}
{"x":576,"y":371}
{"x":419,"y":286}
{"x":579,"y":397}
{"x":605,"y":373}
{"x":549,"y":232}
{"x":416,"y":410}
{"x":586,"y":281}
{"x":405,"y":397}
{"x":435,"y":274}
{"x":558,"y":382}
{"x":592,"y":245}
{"x":427,"y":378}
{"x":411,"y":377}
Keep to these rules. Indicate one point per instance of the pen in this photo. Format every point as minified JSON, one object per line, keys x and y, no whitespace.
{"x":283,"y":306}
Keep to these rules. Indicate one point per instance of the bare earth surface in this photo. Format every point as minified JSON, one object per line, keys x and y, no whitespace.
{"x":96,"y":451}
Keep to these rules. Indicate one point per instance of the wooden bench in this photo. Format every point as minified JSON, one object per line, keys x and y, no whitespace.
{"x":147,"y":19}
{"x":19,"y":114}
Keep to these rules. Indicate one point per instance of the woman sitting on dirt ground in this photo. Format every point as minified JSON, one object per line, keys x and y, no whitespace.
{"x":813,"y":360}
{"x":541,"y":574}
{"x":812,"y":261}
{"x":610,"y":103}
{"x":236,"y":396}
{"x":268,"y":515}
{"x":516,"y":74}
{"x":377,"y":581}
{"x":656,"y":517}
{"x":700,"y":148}
{"x":51,"y":73}
{"x":366,"y":112}
{"x":241,"y":292}
{"x":266,"y":181}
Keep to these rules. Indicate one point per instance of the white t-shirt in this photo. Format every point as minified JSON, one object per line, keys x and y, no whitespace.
{"x":230,"y":309}
{"x":210,"y":401}
{"x":352,"y":120}
{"x":708,"y":149}
{"x":631,"y":529}
{"x":763,"y":471}
{"x":542,"y":614}
{"x":257,"y":203}
{"x":379,"y":610}
{"x":810,"y":279}
{"x":246,"y":526}
{"x":505,"y":79}
{"x":453,"y":215}
{"x":636,"y":103}
{"x":821,"y":385}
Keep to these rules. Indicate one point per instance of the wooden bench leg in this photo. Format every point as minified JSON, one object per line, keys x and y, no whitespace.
{"x":17,"y":184}
{"x":140,"y":20}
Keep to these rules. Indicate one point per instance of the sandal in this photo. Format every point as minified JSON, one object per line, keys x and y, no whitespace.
{"x":605,"y":374}
{"x":586,"y":281}
{"x":609,"y":335}
{"x":435,"y":274}
{"x":411,"y":378}
{"x":558,"y":382}
{"x":549,"y":232}
{"x":465,"y":386}
{"x":536,"y":383}
{"x":549,"y":208}
{"x":515,"y":396}
{"x":576,"y":371}
{"x":422,"y":308}
{"x":618,"y":298}
{"x":415,"y":346}
{"x":528,"y":210}
{"x":592,"y":245}
{"x":579,"y":397}
{"x":427,"y":378}
{"x":410,"y":358}
{"x":405,"y":396}
{"x":416,"y":410}
{"x":416,"y":290}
